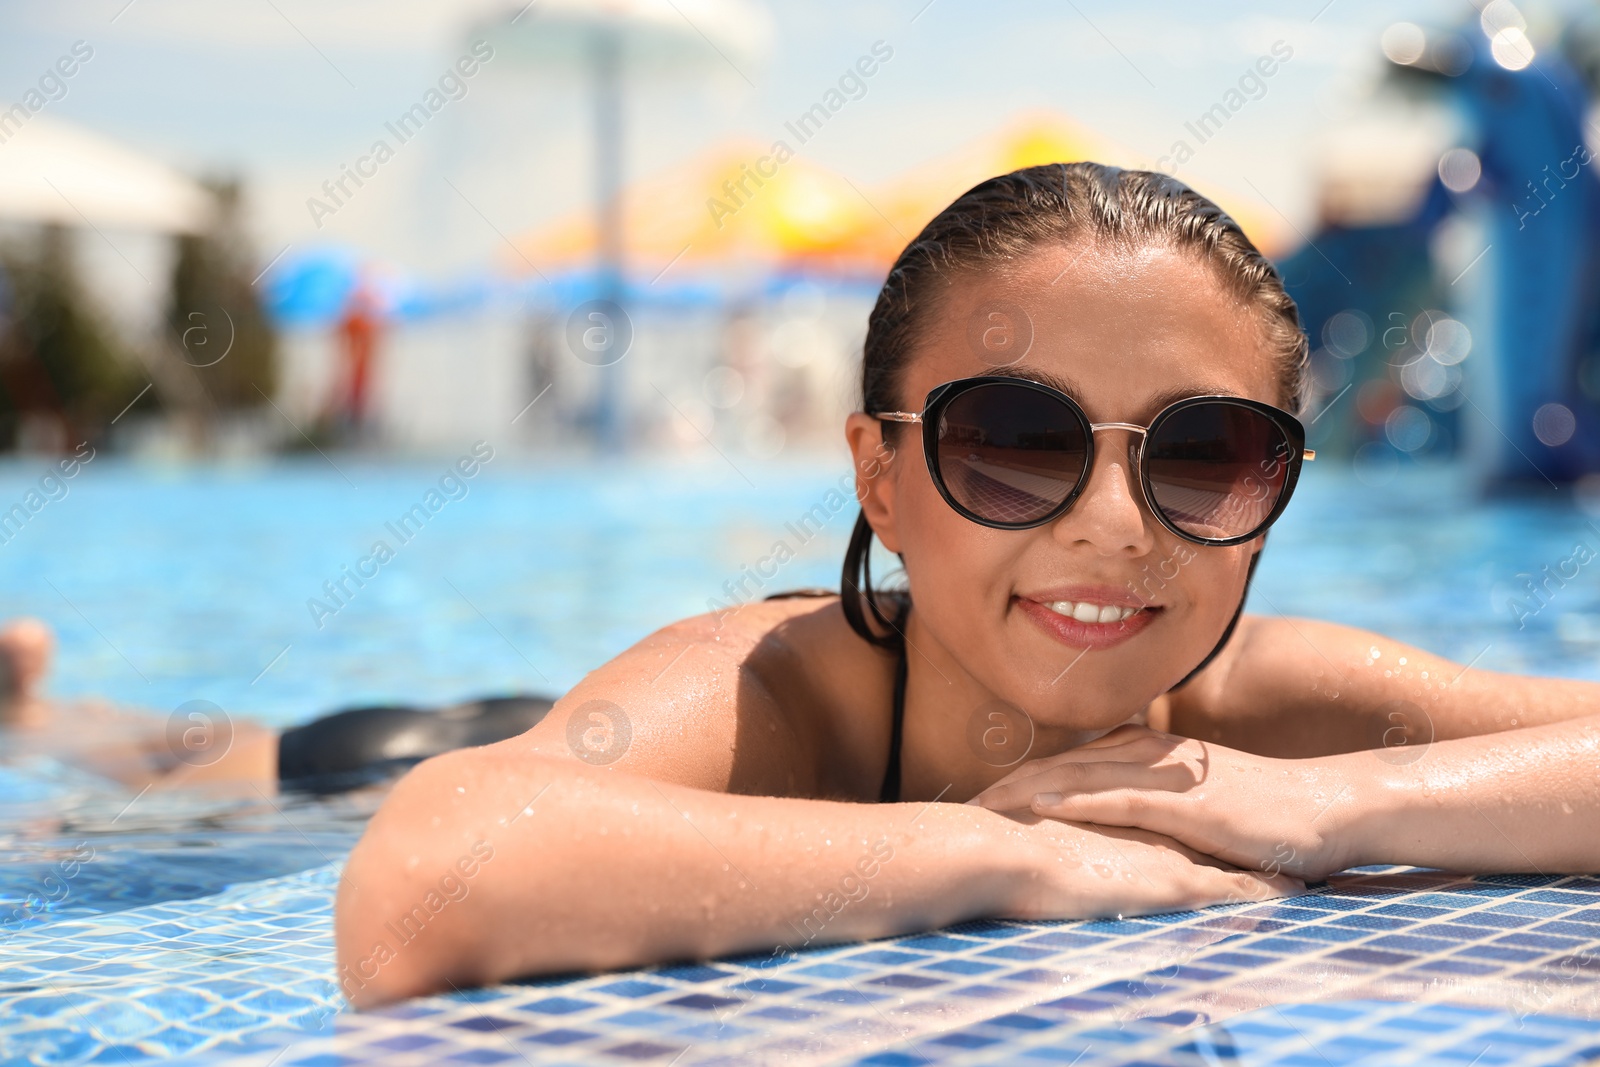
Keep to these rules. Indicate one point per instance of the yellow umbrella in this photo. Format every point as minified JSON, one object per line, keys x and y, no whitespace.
{"x":741,"y":204}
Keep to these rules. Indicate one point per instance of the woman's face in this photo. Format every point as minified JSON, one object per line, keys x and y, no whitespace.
{"x":1124,"y":332}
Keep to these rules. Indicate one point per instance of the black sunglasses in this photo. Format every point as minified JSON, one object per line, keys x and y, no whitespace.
{"x":1011,"y":453}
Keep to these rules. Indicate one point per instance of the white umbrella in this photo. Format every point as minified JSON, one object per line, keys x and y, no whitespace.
{"x":54,"y":171}
{"x":603,"y":36}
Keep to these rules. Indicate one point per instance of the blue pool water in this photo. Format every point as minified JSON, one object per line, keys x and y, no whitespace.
{"x":202,"y":928}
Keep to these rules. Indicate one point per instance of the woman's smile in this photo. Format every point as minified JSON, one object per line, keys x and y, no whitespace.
{"x":1088,"y":617}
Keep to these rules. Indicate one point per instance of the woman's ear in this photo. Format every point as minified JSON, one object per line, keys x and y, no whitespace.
{"x":874,"y":466}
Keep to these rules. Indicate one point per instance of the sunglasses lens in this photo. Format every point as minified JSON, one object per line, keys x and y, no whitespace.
{"x":1009,"y":454}
{"x":1217,"y":470}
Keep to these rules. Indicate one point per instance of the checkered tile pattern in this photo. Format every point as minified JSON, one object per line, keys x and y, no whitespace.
{"x":1380,"y":966}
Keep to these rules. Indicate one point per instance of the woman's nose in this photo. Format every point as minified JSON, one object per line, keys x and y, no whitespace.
{"x":1109,"y":513}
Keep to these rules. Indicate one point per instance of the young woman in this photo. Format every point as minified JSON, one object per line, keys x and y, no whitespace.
{"x":1080,"y":390}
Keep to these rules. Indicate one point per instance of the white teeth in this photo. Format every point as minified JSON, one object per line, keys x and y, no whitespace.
{"x":1084,"y":611}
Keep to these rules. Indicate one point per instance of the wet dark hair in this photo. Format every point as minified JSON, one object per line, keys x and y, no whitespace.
{"x":1002,"y":221}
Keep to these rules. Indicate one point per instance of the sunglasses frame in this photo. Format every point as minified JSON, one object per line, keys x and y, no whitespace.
{"x":941,"y":396}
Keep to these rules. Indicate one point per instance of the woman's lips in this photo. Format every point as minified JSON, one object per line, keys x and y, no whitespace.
{"x":1086,"y":635}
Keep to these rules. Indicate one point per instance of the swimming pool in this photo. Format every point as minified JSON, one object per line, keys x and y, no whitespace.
{"x":202,"y":929}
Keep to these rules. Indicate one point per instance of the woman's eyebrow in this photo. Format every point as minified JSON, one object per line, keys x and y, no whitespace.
{"x":1071,"y":388}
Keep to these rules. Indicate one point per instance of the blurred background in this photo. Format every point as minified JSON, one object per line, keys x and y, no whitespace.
{"x":276,"y":265}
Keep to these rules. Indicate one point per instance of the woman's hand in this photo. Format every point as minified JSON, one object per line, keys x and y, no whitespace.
{"x":1266,"y":815}
{"x":1078,"y":871}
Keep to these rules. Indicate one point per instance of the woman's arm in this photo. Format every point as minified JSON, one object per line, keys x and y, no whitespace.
{"x":486,"y":864}
{"x":1298,"y":687}
{"x":1523,"y":800}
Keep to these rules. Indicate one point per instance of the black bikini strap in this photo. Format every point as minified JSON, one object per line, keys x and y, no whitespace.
{"x":890,"y":793}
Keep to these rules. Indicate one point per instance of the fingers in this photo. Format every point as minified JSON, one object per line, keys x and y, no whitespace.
{"x":1127,"y":743}
{"x":1075,"y":780}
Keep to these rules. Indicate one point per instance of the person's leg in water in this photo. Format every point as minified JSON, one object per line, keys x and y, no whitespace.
{"x":337,"y":752}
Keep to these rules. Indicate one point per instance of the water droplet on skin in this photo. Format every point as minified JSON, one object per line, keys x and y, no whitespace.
{"x":1566,"y":809}
{"x":1102,"y":870}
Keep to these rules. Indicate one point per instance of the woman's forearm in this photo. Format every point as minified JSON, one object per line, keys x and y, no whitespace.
{"x":1524,"y":800}
{"x":484,"y":865}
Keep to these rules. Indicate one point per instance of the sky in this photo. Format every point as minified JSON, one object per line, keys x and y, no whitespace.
{"x":281,"y":93}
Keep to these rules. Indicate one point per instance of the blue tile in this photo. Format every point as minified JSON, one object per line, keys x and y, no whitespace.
{"x":1016,"y":952}
{"x":1526,"y":939}
{"x":988,"y":928}
{"x":1411,"y":943}
{"x":631,"y":987}
{"x":787,"y":1013}
{"x":965,"y":1039}
{"x":1287,"y":946}
{"x":1457,"y":967}
{"x":1588,"y":931}
{"x":1190,"y":973}
{"x":489,"y":1023}
{"x":938,"y":943}
{"x":693,"y":973}
{"x":703,"y":1002}
{"x":1372,"y":956}
{"x":906,"y":981}
{"x":1242,"y":961}
{"x":1118,"y":927}
{"x":1075,"y":1004}
{"x":559,"y":1005}
{"x":829,"y":971}
{"x":888,"y":957}
{"x":1367,"y":921}
{"x":639,"y":1051}
{"x":1067,"y":1052}
{"x":961,"y":966}
{"x":1411,"y":911}
{"x":557,"y":1037}
{"x":480,"y":1056}
{"x":1528,"y":907}
{"x":1021,"y":1021}
{"x":405,"y":1042}
{"x":1066,"y":939}
{"x":769,"y":986}
{"x":846,"y":996}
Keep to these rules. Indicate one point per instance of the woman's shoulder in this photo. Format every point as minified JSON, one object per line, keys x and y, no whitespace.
{"x":772,"y":696}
